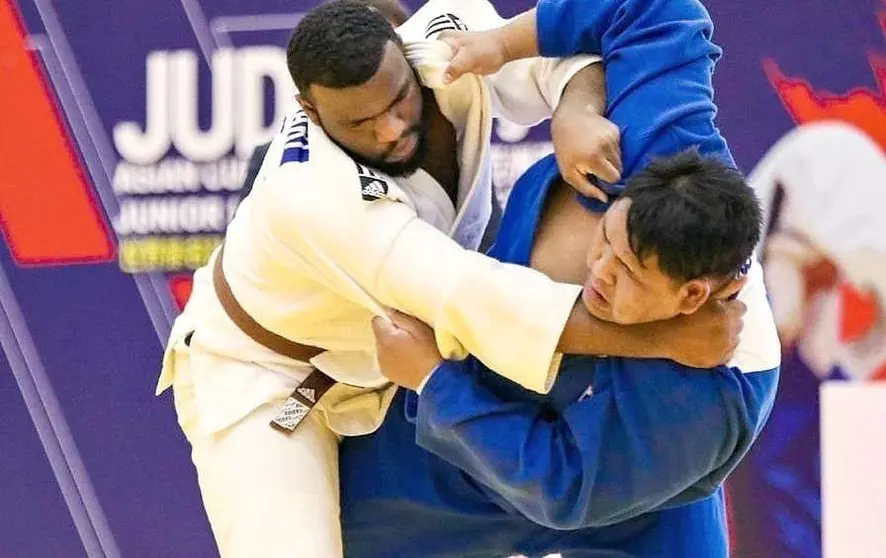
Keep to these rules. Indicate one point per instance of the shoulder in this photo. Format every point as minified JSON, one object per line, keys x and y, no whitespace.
{"x":313,"y":174}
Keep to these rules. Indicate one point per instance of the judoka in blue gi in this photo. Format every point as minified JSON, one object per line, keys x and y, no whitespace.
{"x":624,"y":457}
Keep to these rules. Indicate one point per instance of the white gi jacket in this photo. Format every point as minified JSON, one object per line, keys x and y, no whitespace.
{"x":322,"y":245}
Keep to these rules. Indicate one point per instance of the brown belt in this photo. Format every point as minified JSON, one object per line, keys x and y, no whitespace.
{"x":302,"y":400}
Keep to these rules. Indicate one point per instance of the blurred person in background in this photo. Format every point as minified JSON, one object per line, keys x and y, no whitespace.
{"x":825,"y":248}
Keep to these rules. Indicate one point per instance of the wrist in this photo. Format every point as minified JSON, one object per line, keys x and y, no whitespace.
{"x":656,"y":340}
{"x":424,"y":381}
{"x":519,"y":38}
{"x":435,"y":373}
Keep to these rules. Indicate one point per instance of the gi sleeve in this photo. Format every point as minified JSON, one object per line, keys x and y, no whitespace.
{"x":378,"y":252}
{"x":652,"y":433}
{"x":525,"y":91}
{"x":659,"y":59}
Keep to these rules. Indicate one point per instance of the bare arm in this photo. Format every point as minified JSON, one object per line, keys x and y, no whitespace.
{"x":705,"y":339}
{"x":489,"y":51}
{"x":585,"y":142}
{"x":520,"y":37}
{"x":585,"y":91}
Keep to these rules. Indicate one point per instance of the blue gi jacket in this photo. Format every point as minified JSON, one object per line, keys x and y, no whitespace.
{"x":624,"y":457}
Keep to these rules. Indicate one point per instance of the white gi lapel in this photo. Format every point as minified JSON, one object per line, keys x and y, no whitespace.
{"x":430,"y":58}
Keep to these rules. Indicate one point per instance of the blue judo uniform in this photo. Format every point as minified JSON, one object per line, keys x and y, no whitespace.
{"x":624,"y":457}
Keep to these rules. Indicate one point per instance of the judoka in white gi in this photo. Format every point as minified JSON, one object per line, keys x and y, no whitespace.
{"x":337,"y":229}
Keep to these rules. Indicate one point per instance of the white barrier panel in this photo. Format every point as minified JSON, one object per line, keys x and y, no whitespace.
{"x":853,"y":469}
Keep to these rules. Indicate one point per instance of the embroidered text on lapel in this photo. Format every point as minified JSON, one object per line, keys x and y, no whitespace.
{"x":372,"y":185}
{"x":444,"y":22}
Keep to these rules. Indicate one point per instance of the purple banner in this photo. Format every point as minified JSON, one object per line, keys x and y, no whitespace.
{"x":127,"y":131}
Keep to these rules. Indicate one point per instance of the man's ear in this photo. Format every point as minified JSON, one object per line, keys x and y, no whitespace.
{"x":309,"y":108}
{"x":693,"y":294}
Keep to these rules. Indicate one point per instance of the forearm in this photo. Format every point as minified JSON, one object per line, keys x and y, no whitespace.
{"x":567,"y":27}
{"x":622,"y":452}
{"x":490,"y":439}
{"x":508,"y":316}
{"x":586,"y":91}
{"x":659,"y":59}
{"x":520,"y":37}
{"x":586,"y":335}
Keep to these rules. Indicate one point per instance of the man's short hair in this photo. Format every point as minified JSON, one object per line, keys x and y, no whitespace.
{"x":698,"y":215}
{"x":393,"y":10}
{"x":338,"y":44}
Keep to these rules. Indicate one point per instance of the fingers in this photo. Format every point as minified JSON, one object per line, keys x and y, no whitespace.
{"x":449,"y":37}
{"x":579,"y":177}
{"x":611,"y":152}
{"x":454,"y":70}
{"x":600,"y":163}
{"x":383,"y":329}
{"x":399,"y":319}
{"x":583,"y":184}
{"x":472,"y":52}
{"x":409,"y":325}
{"x":398,"y":326}
{"x":605,"y":170}
{"x":460,"y":63}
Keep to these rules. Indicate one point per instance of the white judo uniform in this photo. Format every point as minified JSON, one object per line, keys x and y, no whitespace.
{"x":318,"y":248}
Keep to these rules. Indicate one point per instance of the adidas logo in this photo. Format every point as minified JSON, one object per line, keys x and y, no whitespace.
{"x":307,"y":393}
{"x":444,"y":22}
{"x":374,"y":190}
{"x":372,"y":185}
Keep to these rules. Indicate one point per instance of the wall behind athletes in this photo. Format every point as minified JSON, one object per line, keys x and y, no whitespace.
{"x":126,"y":130}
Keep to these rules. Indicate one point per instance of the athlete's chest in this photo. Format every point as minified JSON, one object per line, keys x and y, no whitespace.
{"x":564,"y":235}
{"x":441,"y":161}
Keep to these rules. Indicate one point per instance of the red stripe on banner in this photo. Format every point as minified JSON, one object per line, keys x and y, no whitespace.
{"x":181,"y":286}
{"x":48,"y":213}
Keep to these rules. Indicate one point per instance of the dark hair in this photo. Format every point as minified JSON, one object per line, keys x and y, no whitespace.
{"x":338,"y":44}
{"x":695,"y":213}
{"x":393,"y":10}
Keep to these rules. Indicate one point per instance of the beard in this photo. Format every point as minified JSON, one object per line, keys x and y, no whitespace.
{"x":397,"y":168}
{"x":410,"y":165}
